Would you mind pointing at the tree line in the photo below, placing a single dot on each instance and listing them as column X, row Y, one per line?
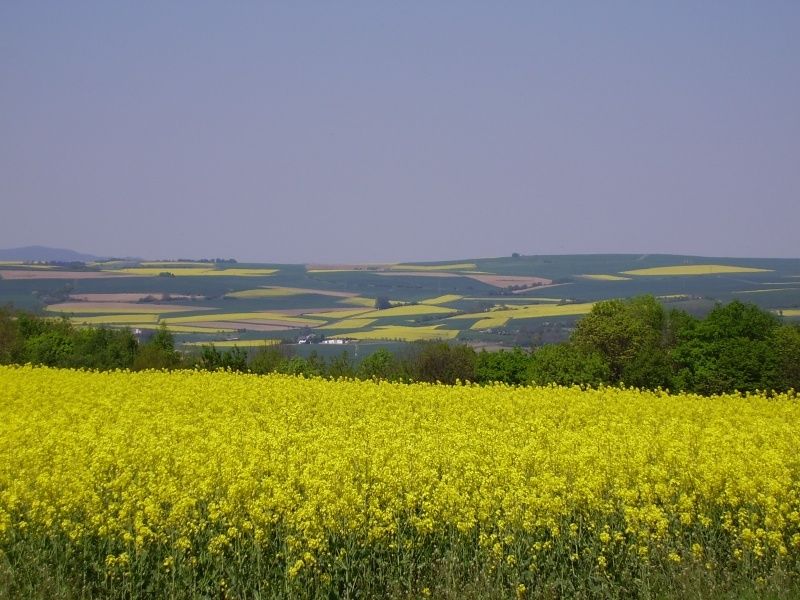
column 633, row 342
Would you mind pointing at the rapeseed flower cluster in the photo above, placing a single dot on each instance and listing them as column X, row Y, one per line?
column 232, row 484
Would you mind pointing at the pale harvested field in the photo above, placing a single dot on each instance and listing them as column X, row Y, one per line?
column 44, row 274
column 120, row 307
column 509, row 280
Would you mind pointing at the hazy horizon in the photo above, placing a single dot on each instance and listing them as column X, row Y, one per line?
column 386, row 133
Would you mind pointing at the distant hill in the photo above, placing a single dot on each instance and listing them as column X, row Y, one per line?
column 43, row 254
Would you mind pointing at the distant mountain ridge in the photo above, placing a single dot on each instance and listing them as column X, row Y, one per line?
column 46, row 254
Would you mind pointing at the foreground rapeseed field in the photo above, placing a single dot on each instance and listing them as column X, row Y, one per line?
column 223, row 485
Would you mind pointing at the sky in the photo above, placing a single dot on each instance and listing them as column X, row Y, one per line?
column 392, row 131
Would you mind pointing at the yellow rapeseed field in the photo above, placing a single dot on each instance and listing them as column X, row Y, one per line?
column 235, row 343
column 409, row 310
column 116, row 319
column 695, row 270
column 362, row 301
column 349, row 324
column 243, row 316
column 442, row 299
column 225, row 485
column 339, row 314
column 490, row 322
column 531, row 311
column 182, row 328
column 174, row 263
column 605, row 277
column 450, row 267
column 406, row 333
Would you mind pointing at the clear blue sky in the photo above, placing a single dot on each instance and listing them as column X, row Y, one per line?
column 376, row 131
